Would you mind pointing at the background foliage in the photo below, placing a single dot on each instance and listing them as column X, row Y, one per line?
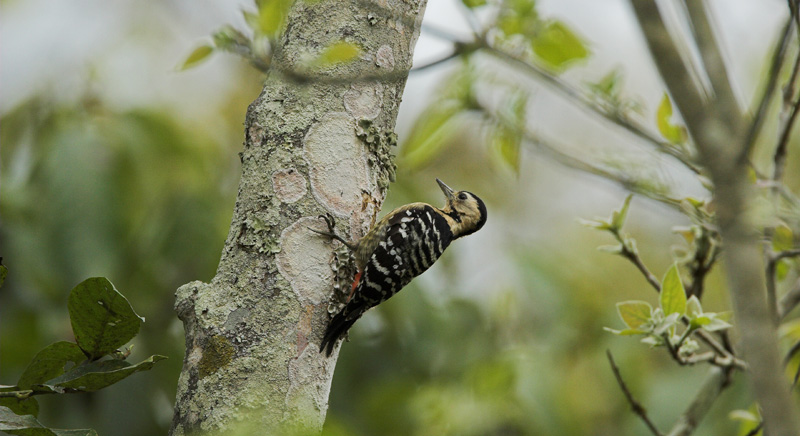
column 504, row 336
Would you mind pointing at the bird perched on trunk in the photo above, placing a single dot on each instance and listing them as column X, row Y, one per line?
column 401, row 246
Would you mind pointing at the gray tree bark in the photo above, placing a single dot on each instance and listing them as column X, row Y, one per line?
column 312, row 146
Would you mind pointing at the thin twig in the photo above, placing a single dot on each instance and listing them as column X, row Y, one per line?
column 633, row 256
column 772, row 263
column 638, row 409
column 779, row 158
column 470, row 18
column 702, row 267
column 792, row 351
column 713, row 62
column 686, row 424
column 435, row 62
column 583, row 102
column 795, row 252
column 440, row 33
column 776, row 65
column 756, row 429
column 545, row 148
column 789, row 301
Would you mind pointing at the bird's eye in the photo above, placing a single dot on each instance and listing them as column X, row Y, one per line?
column 462, row 196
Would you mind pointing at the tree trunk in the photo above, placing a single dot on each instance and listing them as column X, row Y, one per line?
column 311, row 147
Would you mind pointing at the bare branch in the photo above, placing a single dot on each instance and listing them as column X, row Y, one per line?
column 713, row 61
column 435, row 62
column 545, row 148
column 788, row 118
column 719, row 144
column 772, row 263
column 716, row 381
column 789, row 301
column 583, row 102
column 633, row 256
column 679, row 80
column 638, row 409
column 776, row 65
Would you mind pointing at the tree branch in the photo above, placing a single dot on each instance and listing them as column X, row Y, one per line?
column 715, row 382
column 776, row 65
column 545, row 148
column 720, row 144
column 638, row 409
column 788, row 118
column 789, row 301
column 581, row 101
column 713, row 61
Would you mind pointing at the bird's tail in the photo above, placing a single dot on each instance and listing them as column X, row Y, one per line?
column 337, row 328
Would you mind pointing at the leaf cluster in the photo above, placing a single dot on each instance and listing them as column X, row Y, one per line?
column 661, row 326
column 256, row 44
column 102, row 321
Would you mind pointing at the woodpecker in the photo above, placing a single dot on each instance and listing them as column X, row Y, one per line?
column 401, row 246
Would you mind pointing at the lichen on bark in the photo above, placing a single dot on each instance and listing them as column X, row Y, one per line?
column 252, row 364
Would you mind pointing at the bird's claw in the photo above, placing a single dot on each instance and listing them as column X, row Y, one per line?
column 330, row 221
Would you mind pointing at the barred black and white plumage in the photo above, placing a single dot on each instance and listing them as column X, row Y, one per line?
column 401, row 246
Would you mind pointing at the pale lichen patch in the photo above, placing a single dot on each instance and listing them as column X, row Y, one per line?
column 384, row 58
column 307, row 398
column 338, row 168
column 255, row 133
column 364, row 100
column 289, row 185
column 304, row 260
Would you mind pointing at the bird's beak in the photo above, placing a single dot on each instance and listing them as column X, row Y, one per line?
column 448, row 192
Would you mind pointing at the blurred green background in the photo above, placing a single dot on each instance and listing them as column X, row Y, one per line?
column 115, row 164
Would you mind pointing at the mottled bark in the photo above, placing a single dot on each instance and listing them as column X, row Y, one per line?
column 311, row 147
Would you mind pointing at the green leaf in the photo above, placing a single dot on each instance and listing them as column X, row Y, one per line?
column 608, row 86
column 716, row 324
column 518, row 17
column 693, row 307
column 75, row 432
column 198, row 55
column 3, row 274
column 671, row 132
column 20, row 406
column 597, row 223
column 507, row 137
column 625, row 332
column 610, row 249
column 782, row 239
column 228, row 38
column 92, row 376
column 700, row 321
column 634, row 313
column 618, row 217
column 668, row 323
column 673, row 296
column 272, row 16
column 507, row 142
column 557, row 45
column 472, row 4
column 337, row 53
column 50, row 363
column 28, row 425
column 12, row 423
column 431, row 133
column 101, row 317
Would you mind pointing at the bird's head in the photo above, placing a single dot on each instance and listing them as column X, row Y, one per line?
column 465, row 208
